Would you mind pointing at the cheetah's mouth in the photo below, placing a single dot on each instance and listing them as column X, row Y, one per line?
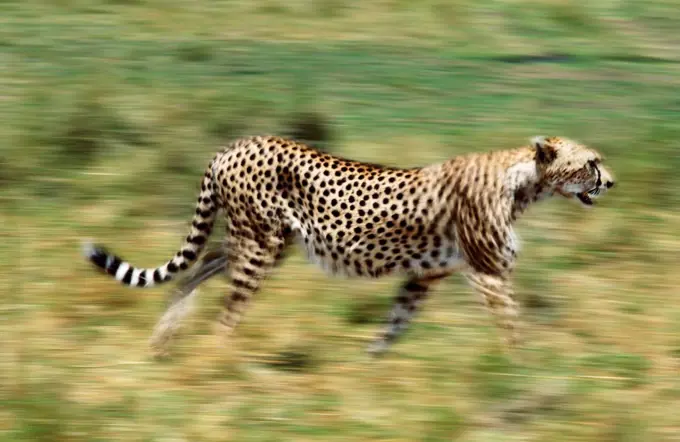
column 584, row 198
column 587, row 197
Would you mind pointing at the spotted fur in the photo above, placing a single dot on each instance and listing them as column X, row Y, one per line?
column 366, row 220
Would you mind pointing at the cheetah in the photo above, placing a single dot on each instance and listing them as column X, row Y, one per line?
column 366, row 220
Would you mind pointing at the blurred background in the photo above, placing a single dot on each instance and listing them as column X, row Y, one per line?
column 112, row 108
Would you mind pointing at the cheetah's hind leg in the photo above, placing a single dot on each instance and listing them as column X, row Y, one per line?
column 251, row 261
column 182, row 299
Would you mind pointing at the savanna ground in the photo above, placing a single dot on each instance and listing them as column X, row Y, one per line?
column 111, row 110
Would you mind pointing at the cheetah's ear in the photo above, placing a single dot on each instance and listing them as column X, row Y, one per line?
column 545, row 151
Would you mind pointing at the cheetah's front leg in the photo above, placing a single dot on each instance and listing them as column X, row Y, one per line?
column 498, row 296
column 410, row 298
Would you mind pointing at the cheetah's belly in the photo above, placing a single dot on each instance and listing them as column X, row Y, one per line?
column 376, row 256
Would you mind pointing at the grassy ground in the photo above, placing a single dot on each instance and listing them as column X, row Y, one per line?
column 111, row 109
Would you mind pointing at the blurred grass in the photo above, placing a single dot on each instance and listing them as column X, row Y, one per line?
column 112, row 108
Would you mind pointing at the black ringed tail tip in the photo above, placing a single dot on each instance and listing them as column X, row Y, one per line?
column 131, row 276
column 111, row 264
column 95, row 254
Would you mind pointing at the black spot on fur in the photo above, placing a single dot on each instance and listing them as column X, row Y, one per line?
column 189, row 254
column 238, row 297
column 198, row 240
column 201, row 226
column 413, row 286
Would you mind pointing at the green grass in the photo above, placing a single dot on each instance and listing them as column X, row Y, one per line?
column 112, row 108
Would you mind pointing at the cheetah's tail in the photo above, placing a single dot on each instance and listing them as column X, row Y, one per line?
column 201, row 227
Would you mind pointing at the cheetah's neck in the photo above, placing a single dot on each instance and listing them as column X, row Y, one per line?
column 523, row 181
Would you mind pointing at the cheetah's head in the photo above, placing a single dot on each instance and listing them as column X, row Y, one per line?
column 572, row 169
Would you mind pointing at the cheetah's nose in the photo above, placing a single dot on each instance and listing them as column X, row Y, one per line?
column 610, row 184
